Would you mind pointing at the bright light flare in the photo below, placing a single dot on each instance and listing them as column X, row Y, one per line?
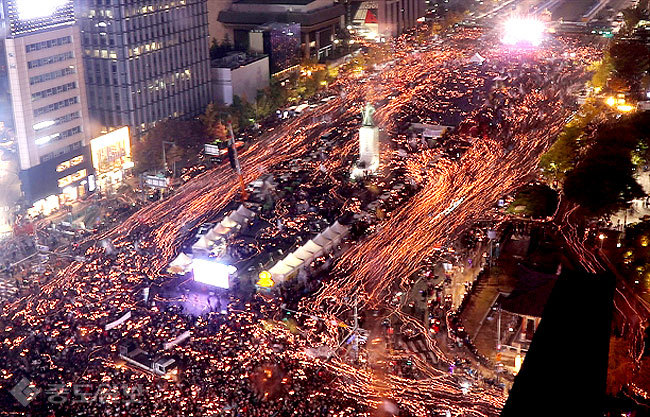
column 523, row 31
column 625, row 108
column 212, row 272
column 34, row 9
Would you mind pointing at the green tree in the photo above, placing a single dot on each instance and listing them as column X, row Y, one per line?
column 174, row 155
column 630, row 61
column 189, row 135
column 632, row 16
column 539, row 200
column 562, row 157
column 263, row 105
column 213, row 122
column 147, row 155
column 242, row 112
column 602, row 72
column 277, row 93
column 603, row 182
column 220, row 49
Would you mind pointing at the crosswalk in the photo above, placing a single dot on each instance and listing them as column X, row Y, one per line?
column 417, row 347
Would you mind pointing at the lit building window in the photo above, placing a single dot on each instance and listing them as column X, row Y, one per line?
column 70, row 163
column 69, row 179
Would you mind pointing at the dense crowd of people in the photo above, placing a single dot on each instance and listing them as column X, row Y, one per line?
column 253, row 361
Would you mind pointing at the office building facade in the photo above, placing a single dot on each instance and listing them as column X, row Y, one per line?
column 146, row 61
column 318, row 20
column 43, row 99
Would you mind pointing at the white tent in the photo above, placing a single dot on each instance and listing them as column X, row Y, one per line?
column 182, row 260
column 249, row 214
column 212, row 235
column 220, row 230
column 228, row 222
column 237, row 218
column 180, row 264
column 280, row 271
column 336, row 232
column 477, row 59
column 293, row 261
column 332, row 235
column 202, row 244
column 309, row 251
column 314, row 248
column 323, row 241
column 304, row 255
column 339, row 228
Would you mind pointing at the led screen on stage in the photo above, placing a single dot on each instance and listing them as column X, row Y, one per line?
column 212, row 272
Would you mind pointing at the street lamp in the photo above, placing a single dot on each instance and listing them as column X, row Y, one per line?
column 602, row 239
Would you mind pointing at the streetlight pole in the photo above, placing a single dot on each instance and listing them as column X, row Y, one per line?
column 498, row 341
column 165, row 142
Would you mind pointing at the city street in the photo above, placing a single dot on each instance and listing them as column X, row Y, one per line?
column 419, row 231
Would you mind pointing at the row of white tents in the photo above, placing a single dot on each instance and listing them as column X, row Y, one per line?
column 323, row 243
column 232, row 222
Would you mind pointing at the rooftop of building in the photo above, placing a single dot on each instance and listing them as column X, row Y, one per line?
column 258, row 12
column 531, row 293
column 287, row 2
column 234, row 60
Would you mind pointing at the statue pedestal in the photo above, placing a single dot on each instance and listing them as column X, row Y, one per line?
column 369, row 146
column 368, row 151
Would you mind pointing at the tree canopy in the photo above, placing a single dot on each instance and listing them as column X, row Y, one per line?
column 630, row 61
column 604, row 180
column 187, row 135
column 539, row 200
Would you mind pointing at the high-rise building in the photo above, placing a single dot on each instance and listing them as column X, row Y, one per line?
column 146, row 61
column 43, row 99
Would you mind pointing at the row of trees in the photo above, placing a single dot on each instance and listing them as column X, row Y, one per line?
column 563, row 156
column 595, row 160
column 189, row 136
column 604, row 181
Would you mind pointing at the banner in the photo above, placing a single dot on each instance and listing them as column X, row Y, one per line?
column 178, row 340
column 117, row 322
column 211, row 150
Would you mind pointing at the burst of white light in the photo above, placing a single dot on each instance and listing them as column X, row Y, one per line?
column 212, row 272
column 523, row 31
column 34, row 9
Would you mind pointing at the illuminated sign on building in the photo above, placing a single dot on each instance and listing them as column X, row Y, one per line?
column 34, row 9
column 111, row 151
column 156, row 182
column 28, row 16
column 69, row 163
column 69, row 179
